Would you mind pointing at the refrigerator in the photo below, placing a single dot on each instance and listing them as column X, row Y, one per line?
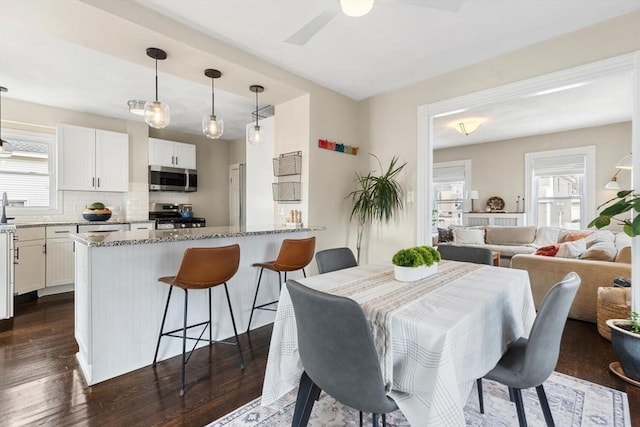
column 237, row 198
column 6, row 271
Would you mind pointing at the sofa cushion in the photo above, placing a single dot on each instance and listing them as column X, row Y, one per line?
column 622, row 240
column 601, row 251
column 572, row 249
column 468, row 236
column 624, row 255
column 510, row 235
column 546, row 236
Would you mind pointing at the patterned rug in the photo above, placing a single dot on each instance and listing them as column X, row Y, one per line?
column 573, row 402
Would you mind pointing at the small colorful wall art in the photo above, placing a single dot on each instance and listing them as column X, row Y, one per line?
column 334, row 146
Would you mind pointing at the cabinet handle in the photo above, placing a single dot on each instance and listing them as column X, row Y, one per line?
column 98, row 182
column 44, row 248
column 17, row 256
column 60, row 232
column 176, row 160
column 172, row 160
column 93, row 182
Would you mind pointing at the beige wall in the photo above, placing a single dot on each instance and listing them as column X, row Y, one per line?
column 392, row 123
column 497, row 168
column 237, row 151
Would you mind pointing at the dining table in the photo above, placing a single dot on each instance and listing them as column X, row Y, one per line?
column 434, row 337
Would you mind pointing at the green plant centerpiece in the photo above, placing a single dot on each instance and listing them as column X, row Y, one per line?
column 625, row 333
column 412, row 264
column 377, row 198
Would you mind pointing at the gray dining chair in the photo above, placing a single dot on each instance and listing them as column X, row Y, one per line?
column 335, row 259
column 466, row 254
column 528, row 362
column 338, row 355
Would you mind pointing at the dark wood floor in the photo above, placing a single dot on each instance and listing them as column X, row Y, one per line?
column 41, row 383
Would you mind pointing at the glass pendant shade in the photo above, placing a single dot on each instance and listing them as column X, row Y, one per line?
column 255, row 136
column 212, row 127
column 156, row 114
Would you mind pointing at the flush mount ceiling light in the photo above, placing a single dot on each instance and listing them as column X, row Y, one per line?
column 355, row 8
column 467, row 127
column 5, row 148
column 156, row 114
column 212, row 127
column 255, row 134
column 136, row 106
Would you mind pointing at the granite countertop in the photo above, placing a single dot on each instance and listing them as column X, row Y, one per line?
column 7, row 228
column 140, row 237
column 19, row 224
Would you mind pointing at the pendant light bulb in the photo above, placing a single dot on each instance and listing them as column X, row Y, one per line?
column 5, row 148
column 212, row 127
column 255, row 134
column 156, row 114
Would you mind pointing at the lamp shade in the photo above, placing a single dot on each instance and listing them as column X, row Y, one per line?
column 474, row 195
column 136, row 106
column 613, row 184
column 625, row 162
column 212, row 127
column 468, row 126
column 255, row 136
column 156, row 114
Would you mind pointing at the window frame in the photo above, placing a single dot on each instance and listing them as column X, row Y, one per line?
column 466, row 164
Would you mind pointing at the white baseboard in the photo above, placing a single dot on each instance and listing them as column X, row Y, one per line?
column 55, row 290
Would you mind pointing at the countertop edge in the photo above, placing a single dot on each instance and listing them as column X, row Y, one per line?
column 78, row 222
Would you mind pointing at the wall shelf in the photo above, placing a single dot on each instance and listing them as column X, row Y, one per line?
column 288, row 164
column 287, row 168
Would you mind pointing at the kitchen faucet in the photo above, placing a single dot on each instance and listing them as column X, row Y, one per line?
column 4, row 203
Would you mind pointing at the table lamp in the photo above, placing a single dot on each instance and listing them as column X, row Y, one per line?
column 473, row 195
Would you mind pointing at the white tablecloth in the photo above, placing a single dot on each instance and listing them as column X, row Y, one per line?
column 440, row 343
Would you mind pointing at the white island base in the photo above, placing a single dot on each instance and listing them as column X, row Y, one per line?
column 119, row 302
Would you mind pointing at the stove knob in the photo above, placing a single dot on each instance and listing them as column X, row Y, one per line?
column 183, row 225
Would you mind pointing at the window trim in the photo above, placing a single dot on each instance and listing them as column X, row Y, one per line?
column 466, row 207
column 589, row 188
column 55, row 196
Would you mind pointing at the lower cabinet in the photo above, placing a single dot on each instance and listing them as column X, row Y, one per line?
column 60, row 255
column 29, row 259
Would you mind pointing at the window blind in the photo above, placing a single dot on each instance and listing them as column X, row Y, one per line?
column 561, row 165
column 443, row 174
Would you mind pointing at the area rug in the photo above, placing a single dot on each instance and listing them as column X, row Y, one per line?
column 573, row 402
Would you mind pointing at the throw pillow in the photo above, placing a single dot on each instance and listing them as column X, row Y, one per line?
column 550, row 250
column 572, row 237
column 468, row 236
column 572, row 249
column 445, row 235
column 601, row 251
column 513, row 236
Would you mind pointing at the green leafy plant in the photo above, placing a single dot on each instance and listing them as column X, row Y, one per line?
column 416, row 256
column 377, row 198
column 635, row 322
column 623, row 202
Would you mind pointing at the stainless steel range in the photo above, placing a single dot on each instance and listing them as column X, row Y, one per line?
column 169, row 216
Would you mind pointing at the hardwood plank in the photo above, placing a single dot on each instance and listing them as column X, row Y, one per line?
column 41, row 383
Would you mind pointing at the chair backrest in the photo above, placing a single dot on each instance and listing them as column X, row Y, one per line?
column 335, row 259
column 207, row 267
column 337, row 350
column 295, row 254
column 543, row 347
column 466, row 254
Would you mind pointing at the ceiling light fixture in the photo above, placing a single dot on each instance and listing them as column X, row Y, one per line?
column 356, row 8
column 5, row 148
column 467, row 127
column 136, row 106
column 156, row 114
column 255, row 134
column 211, row 126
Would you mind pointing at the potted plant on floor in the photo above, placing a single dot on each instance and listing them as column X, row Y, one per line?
column 377, row 198
column 412, row 264
column 625, row 333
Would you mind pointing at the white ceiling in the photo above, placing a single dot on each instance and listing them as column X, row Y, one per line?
column 398, row 43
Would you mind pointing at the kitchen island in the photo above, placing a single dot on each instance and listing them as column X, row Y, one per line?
column 119, row 301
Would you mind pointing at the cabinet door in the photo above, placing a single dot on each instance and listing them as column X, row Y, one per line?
column 30, row 266
column 185, row 155
column 60, row 262
column 76, row 158
column 112, row 161
column 161, row 153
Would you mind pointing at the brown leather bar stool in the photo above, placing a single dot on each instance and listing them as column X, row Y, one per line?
column 295, row 254
column 201, row 268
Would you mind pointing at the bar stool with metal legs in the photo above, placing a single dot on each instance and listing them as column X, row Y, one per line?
column 201, row 268
column 295, row 254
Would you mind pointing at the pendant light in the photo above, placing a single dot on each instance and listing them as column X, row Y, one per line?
column 255, row 134
column 156, row 114
column 212, row 127
column 5, row 147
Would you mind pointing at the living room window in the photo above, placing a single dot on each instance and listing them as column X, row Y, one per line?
column 561, row 192
column 450, row 183
column 28, row 175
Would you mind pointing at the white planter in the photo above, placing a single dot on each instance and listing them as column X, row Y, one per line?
column 412, row 274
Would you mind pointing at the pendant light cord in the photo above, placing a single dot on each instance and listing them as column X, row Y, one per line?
column 212, row 98
column 156, row 79
column 256, row 108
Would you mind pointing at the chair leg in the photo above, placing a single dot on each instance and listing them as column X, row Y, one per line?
column 384, row 420
column 544, row 404
column 360, row 418
column 304, row 274
column 255, row 298
column 233, row 322
column 308, row 393
column 480, row 399
column 210, row 322
column 184, row 340
column 375, row 422
column 164, row 317
column 517, row 395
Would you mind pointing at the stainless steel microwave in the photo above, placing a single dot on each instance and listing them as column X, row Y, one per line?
column 162, row 178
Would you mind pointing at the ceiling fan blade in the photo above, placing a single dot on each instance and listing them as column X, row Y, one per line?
column 306, row 33
column 450, row 5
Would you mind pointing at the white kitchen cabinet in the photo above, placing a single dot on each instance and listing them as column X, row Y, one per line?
column 143, row 226
column 172, row 154
column 30, row 264
column 59, row 255
column 92, row 159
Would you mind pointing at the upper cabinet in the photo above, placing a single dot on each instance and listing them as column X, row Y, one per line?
column 92, row 159
column 172, row 154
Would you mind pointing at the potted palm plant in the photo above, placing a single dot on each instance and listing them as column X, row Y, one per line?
column 377, row 198
column 625, row 333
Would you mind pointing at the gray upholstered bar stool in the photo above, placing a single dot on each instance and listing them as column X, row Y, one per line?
column 295, row 254
column 201, row 268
